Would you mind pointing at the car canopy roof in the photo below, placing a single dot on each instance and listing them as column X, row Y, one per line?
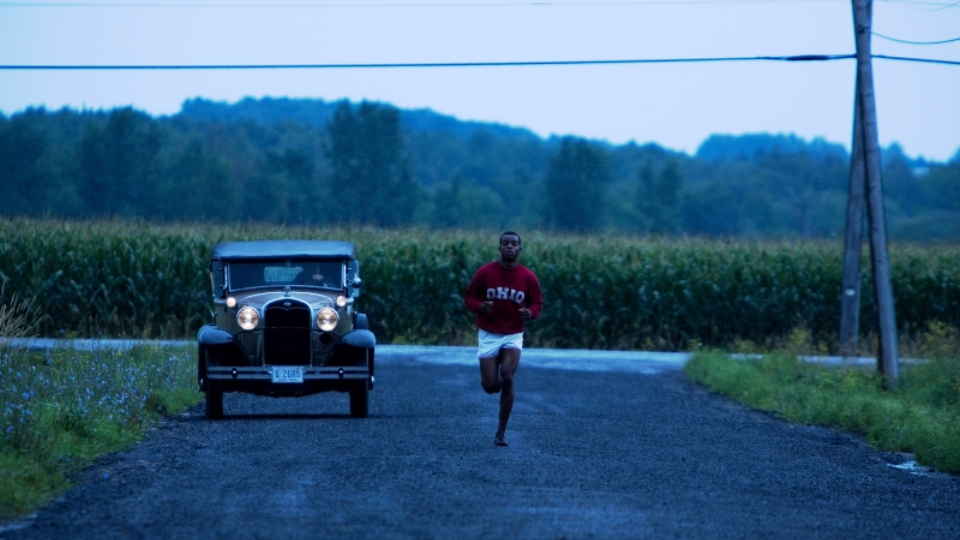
column 284, row 249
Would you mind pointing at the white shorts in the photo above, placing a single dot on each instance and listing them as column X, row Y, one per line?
column 491, row 343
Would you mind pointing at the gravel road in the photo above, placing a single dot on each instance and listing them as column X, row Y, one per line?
column 599, row 448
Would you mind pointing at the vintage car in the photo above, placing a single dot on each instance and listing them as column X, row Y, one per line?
column 285, row 323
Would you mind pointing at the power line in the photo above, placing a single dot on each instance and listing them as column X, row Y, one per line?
column 923, row 60
column 142, row 67
column 386, row 4
column 799, row 58
column 941, row 42
column 939, row 5
column 935, row 6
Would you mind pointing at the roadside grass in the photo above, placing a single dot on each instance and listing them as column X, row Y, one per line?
column 63, row 408
column 921, row 416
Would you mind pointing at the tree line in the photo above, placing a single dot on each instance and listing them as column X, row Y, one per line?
column 316, row 163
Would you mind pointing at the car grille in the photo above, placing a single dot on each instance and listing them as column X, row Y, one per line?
column 286, row 334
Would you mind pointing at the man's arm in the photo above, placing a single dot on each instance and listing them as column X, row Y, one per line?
column 470, row 297
column 534, row 299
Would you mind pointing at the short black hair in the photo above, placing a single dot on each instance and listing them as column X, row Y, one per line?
column 511, row 233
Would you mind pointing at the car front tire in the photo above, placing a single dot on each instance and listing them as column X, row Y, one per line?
column 214, row 406
column 360, row 400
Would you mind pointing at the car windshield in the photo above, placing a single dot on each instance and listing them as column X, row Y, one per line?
column 250, row 275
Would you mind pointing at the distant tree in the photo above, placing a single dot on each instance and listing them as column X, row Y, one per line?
column 465, row 204
column 803, row 181
column 713, row 209
column 285, row 190
column 941, row 185
column 291, row 161
column 25, row 177
column 576, row 179
column 669, row 193
column 657, row 198
column 447, row 201
column 369, row 168
column 196, row 186
column 305, row 204
column 119, row 163
column 520, row 200
column 627, row 160
column 645, row 209
column 35, row 160
column 749, row 145
column 900, row 186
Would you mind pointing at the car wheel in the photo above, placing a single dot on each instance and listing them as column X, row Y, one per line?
column 360, row 400
column 214, row 406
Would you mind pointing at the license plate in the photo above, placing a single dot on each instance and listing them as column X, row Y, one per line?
column 287, row 374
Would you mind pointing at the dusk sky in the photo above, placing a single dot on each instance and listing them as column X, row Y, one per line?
column 676, row 105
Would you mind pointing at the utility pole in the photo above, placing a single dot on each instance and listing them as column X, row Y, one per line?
column 850, row 292
column 888, row 360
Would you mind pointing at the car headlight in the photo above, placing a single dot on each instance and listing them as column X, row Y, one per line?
column 341, row 301
column 248, row 318
column 327, row 319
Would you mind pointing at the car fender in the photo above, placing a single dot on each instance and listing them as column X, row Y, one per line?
column 211, row 335
column 360, row 338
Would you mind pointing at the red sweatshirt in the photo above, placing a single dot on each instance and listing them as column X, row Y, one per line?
column 510, row 290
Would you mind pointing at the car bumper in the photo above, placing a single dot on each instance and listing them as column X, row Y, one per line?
column 265, row 374
column 259, row 380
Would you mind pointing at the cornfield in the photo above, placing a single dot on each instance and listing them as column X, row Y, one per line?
column 123, row 279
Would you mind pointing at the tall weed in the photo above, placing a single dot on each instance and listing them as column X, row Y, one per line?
column 17, row 316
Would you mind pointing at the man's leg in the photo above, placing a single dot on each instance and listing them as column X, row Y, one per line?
column 509, row 362
column 489, row 376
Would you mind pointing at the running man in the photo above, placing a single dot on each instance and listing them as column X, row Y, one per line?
column 504, row 294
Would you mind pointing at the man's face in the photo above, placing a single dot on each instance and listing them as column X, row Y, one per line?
column 509, row 248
